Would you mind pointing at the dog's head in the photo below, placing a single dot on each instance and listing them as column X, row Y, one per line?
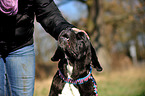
column 75, row 46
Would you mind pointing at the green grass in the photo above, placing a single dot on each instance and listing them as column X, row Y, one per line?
column 126, row 83
column 121, row 88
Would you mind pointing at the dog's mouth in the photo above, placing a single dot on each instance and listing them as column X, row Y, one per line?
column 67, row 41
column 68, row 48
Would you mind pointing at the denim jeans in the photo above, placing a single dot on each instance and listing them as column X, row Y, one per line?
column 17, row 74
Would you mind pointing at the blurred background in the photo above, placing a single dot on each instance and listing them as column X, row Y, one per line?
column 117, row 31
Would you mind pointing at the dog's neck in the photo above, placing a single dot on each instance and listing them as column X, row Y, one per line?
column 75, row 70
column 69, row 68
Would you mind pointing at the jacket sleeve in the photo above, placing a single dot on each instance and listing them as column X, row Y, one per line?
column 49, row 16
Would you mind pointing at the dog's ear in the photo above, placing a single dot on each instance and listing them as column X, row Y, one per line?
column 59, row 54
column 95, row 61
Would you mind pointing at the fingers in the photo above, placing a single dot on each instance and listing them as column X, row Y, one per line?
column 78, row 30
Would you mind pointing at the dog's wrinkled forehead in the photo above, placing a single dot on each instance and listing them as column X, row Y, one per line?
column 73, row 43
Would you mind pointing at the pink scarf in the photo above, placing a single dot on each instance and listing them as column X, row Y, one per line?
column 9, row 7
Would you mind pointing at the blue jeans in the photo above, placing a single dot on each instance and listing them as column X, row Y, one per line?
column 17, row 74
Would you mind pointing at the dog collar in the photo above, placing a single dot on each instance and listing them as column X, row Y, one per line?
column 80, row 80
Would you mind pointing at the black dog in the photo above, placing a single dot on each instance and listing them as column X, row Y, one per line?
column 75, row 54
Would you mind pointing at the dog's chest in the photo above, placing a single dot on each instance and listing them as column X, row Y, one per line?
column 69, row 89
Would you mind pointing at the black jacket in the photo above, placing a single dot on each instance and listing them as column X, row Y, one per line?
column 17, row 31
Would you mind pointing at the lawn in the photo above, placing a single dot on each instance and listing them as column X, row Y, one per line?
column 130, row 82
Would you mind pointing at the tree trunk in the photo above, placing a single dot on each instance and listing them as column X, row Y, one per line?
column 95, row 30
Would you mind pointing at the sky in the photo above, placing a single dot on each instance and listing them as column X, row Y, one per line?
column 73, row 10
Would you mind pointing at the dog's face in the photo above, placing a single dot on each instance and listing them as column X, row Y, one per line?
column 76, row 47
column 74, row 44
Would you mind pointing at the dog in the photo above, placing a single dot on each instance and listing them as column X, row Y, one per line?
column 76, row 55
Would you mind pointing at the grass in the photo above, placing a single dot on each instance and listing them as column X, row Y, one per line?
column 129, row 82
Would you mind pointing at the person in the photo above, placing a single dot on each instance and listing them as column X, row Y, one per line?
column 17, row 57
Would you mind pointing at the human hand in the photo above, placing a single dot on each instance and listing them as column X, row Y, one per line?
column 78, row 30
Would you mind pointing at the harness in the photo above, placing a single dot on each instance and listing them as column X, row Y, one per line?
column 80, row 80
